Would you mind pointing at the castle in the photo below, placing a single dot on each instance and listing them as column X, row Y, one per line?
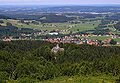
column 57, row 49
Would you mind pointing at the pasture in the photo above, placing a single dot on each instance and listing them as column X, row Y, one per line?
column 64, row 28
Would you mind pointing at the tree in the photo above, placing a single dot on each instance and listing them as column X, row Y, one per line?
column 118, row 80
column 78, row 30
column 1, row 21
column 71, row 32
column 9, row 24
column 113, row 42
column 21, row 21
column 4, row 76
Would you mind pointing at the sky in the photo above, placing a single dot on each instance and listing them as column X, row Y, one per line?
column 60, row 2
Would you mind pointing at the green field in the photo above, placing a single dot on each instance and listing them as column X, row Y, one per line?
column 57, row 26
column 85, row 26
column 64, row 28
column 99, row 37
column 102, row 38
column 117, row 39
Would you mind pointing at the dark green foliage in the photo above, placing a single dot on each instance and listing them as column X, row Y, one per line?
column 113, row 42
column 31, row 61
column 43, row 18
column 1, row 21
column 117, row 26
column 4, row 76
column 40, row 69
column 8, row 24
column 118, row 80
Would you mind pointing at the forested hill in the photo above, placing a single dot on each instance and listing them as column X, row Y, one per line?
column 59, row 9
column 25, row 61
column 74, row 9
column 4, row 17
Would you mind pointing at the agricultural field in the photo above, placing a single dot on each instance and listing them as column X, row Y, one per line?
column 102, row 38
column 99, row 37
column 85, row 26
column 65, row 28
column 117, row 39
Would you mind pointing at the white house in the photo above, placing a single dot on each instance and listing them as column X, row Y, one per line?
column 53, row 33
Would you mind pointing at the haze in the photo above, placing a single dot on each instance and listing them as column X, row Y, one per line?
column 54, row 2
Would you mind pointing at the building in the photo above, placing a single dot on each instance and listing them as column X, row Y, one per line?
column 53, row 33
column 7, row 38
column 57, row 49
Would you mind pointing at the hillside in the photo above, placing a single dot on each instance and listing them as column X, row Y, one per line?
column 82, row 79
column 35, row 61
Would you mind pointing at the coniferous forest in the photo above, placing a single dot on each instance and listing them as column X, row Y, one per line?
column 35, row 61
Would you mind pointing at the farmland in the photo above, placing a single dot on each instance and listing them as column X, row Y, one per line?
column 57, row 26
column 66, row 28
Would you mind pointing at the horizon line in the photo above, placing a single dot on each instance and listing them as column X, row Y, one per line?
column 20, row 4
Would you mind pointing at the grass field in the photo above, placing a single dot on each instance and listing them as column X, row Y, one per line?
column 117, row 39
column 99, row 37
column 60, row 26
column 65, row 28
column 103, row 38
column 85, row 26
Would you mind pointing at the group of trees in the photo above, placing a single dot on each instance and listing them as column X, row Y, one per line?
column 117, row 26
column 29, row 22
column 43, row 18
column 33, row 60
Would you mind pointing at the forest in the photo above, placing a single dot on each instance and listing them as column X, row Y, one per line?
column 33, row 61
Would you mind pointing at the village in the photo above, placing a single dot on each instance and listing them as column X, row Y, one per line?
column 73, row 38
column 84, row 39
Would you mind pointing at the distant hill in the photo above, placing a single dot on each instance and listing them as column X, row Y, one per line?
column 82, row 9
column 57, row 9
column 4, row 17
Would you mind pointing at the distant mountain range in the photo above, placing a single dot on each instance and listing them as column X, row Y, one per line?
column 58, row 9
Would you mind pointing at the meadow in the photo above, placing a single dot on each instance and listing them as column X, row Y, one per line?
column 66, row 27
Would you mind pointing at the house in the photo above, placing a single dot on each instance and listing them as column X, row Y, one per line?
column 57, row 49
column 53, row 33
column 7, row 38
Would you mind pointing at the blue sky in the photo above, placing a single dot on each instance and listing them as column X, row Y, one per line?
column 64, row 2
